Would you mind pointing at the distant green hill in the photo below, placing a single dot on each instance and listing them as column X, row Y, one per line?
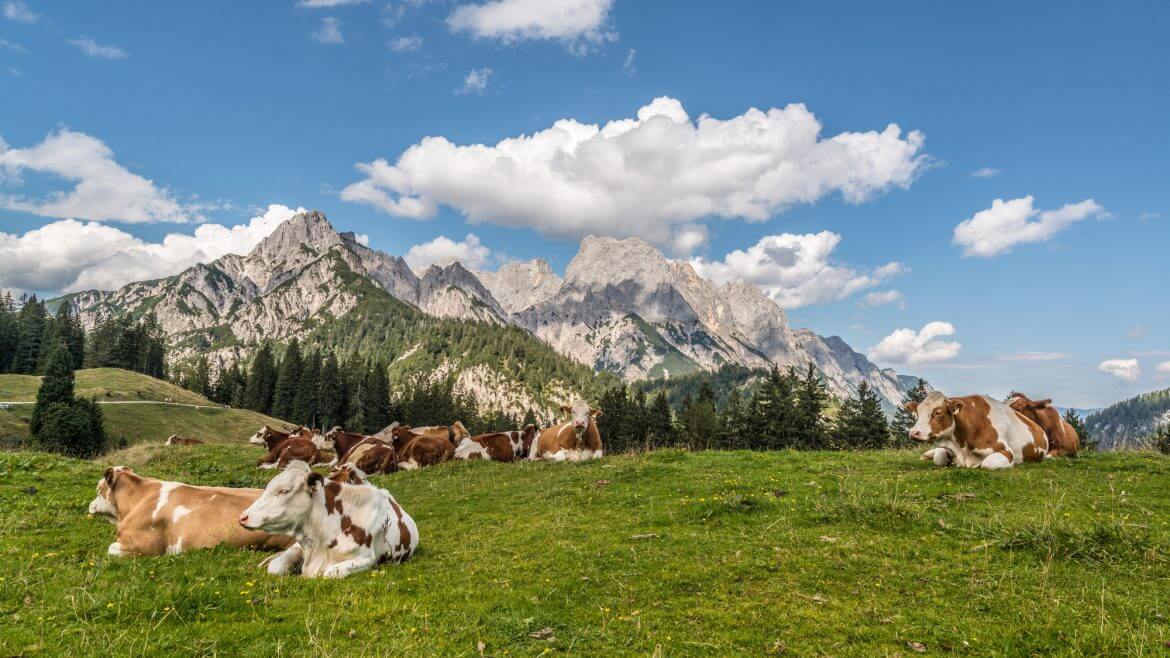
column 135, row 408
column 1127, row 423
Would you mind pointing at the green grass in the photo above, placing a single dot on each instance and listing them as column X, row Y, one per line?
column 103, row 384
column 667, row 553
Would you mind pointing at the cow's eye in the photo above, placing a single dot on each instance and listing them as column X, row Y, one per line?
column 282, row 492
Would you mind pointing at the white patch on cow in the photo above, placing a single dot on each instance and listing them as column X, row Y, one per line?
column 286, row 562
column 115, row 550
column 408, row 465
column 164, row 493
column 99, row 505
column 257, row 438
column 175, row 548
column 269, row 466
column 179, row 513
column 468, row 449
column 564, row 428
column 995, row 461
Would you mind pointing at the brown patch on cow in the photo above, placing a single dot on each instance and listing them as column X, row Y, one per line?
column 972, row 418
column 1034, row 451
column 423, row 449
column 358, row 533
column 561, row 436
column 498, row 445
column 1062, row 438
column 332, row 543
column 403, row 531
column 333, row 497
column 292, row 449
column 346, row 474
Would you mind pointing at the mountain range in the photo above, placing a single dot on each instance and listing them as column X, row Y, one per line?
column 622, row 307
column 1128, row 423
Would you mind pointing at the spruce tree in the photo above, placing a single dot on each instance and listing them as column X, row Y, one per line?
column 288, row 380
column 659, row 421
column 861, row 423
column 529, row 418
column 733, row 430
column 1088, row 442
column 32, row 331
column 375, row 404
column 9, row 332
column 56, row 386
column 331, row 391
column 305, row 405
column 903, row 418
column 811, row 398
column 60, row 422
column 199, row 379
column 261, row 381
column 773, row 411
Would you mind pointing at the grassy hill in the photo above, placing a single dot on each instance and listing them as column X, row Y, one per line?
column 130, row 411
column 667, row 553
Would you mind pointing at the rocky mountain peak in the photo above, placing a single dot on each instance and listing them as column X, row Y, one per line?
column 603, row 261
column 520, row 285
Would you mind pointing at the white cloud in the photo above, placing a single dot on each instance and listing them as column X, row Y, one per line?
column 1163, row 369
column 330, row 31
column 94, row 49
column 628, row 66
column 580, row 24
column 17, row 11
column 475, row 82
column 8, row 45
column 995, row 231
column 643, row 176
column 1036, row 356
column 906, row 346
column 443, row 250
column 1146, row 216
column 986, row 172
column 104, row 190
column 69, row 255
column 326, row 4
column 406, row 44
column 794, row 270
column 884, row 297
column 1124, row 369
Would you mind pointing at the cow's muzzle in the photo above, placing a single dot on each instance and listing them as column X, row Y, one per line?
column 918, row 435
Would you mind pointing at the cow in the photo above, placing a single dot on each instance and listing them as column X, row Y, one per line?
column 339, row 527
column 349, row 474
column 292, row 448
column 455, row 432
column 497, row 446
column 176, row 440
column 269, row 436
column 576, row 439
column 367, row 453
column 975, row 431
column 418, row 450
column 155, row 517
column 1062, row 437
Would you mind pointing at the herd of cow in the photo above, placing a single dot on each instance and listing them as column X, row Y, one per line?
column 333, row 525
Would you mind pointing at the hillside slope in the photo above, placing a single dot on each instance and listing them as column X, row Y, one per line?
column 670, row 553
column 1127, row 423
column 135, row 410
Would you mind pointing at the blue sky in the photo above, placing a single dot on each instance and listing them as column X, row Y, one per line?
column 211, row 112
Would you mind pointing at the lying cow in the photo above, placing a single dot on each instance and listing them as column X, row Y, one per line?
column 576, row 439
column 975, row 431
column 367, row 453
column 417, row 450
column 166, row 518
column 339, row 527
column 290, row 449
column 1062, row 437
column 269, row 436
column 497, row 446
column 176, row 440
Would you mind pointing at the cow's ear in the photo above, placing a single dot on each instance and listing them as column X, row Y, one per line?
column 912, row 407
column 595, row 412
column 108, row 476
column 566, row 409
column 955, row 406
column 1041, row 404
column 313, row 479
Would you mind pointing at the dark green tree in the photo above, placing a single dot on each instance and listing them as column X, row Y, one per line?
column 198, row 380
column 660, row 421
column 1160, row 439
column 60, row 422
column 903, row 418
column 331, row 394
column 306, row 409
column 698, row 422
column 261, row 384
column 529, row 418
column 861, row 423
column 811, row 398
column 288, row 380
column 773, row 411
column 32, row 321
column 1088, row 441
column 9, row 331
column 56, row 386
column 375, row 400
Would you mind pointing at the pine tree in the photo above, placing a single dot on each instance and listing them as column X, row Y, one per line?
column 659, row 421
column 861, row 423
column 199, row 379
column 773, row 411
column 9, row 332
column 288, row 380
column 305, row 405
column 1160, row 439
column 56, row 386
column 733, row 430
column 904, row 419
column 698, row 423
column 331, row 391
column 529, row 418
column 375, row 402
column 261, row 381
column 810, row 426
column 60, row 422
column 32, row 321
column 1088, row 442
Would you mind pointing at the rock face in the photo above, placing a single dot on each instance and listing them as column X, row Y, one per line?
column 622, row 306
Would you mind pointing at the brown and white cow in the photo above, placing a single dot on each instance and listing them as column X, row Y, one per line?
column 576, row 439
column 497, row 446
column 176, row 440
column 290, row 449
column 155, row 517
column 1062, row 437
column 269, row 436
column 418, row 450
column 339, row 528
column 367, row 453
column 975, row 431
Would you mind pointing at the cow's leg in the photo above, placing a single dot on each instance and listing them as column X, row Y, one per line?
column 285, row 562
column 116, row 550
column 346, row 567
column 558, row 456
column 996, row 461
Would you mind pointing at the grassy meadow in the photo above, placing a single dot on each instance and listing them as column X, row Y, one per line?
column 665, row 553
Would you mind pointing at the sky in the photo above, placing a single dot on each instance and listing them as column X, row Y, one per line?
column 975, row 193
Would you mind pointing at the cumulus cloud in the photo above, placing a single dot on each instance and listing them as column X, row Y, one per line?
column 96, row 50
column 580, row 24
column 995, row 231
column 104, row 190
column 643, row 176
column 406, row 44
column 1163, row 369
column 18, row 12
column 1036, row 356
column 986, row 172
column 906, row 346
column 881, row 298
column 795, row 270
column 475, row 82
column 628, row 66
column 330, row 31
column 1126, row 370
column 443, row 250
column 70, row 255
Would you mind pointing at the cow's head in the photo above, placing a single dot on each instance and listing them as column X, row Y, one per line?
column 258, row 437
column 400, row 436
column 527, row 436
column 458, row 432
column 1026, row 405
column 935, row 417
column 580, row 415
column 348, row 474
column 104, row 504
column 284, row 505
